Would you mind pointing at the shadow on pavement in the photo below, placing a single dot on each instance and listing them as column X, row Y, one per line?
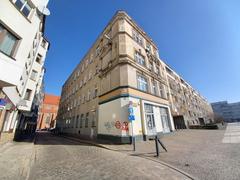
column 47, row 138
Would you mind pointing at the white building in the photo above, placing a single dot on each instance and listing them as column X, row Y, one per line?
column 23, row 50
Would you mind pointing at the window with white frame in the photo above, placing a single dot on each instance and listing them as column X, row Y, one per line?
column 82, row 69
column 154, row 87
column 90, row 74
column 139, row 58
column 150, row 66
column 94, row 119
column 148, row 48
column 88, row 95
column 162, row 92
column 34, row 75
column 86, row 63
column 86, row 120
column 81, row 120
column 97, row 52
column 137, row 37
column 81, row 83
column 142, row 83
column 28, row 94
column 8, row 41
column 91, row 58
column 95, row 93
column 23, row 6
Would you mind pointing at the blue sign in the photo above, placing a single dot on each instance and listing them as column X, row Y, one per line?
column 3, row 102
column 131, row 117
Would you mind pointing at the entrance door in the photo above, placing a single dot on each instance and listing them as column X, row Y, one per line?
column 151, row 128
column 165, row 120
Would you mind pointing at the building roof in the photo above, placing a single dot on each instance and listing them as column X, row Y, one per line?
column 51, row 99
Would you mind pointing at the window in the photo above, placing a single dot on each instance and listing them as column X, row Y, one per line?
column 142, row 83
column 156, row 54
column 44, row 43
column 95, row 93
column 97, row 51
column 137, row 37
column 139, row 58
column 97, row 69
column 151, row 66
column 90, row 74
column 94, row 119
column 81, row 120
column 86, row 120
column 39, row 59
column 154, row 87
column 77, row 122
column 148, row 48
column 28, row 94
column 91, row 58
column 82, row 69
column 88, row 95
column 162, row 92
column 34, row 75
column 86, row 63
column 8, row 41
column 23, row 6
column 81, row 83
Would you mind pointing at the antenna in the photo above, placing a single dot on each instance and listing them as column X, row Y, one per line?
column 43, row 9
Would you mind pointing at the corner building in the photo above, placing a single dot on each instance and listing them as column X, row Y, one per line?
column 121, row 69
column 23, row 49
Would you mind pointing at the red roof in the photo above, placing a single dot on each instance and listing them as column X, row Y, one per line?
column 51, row 99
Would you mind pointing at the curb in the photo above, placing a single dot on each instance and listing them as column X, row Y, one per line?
column 112, row 149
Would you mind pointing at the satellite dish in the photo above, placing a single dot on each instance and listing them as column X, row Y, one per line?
column 44, row 10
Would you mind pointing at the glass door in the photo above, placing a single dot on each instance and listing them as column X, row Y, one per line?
column 150, row 122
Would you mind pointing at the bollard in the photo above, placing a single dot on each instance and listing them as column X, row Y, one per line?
column 157, row 148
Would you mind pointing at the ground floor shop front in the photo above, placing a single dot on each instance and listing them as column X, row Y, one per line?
column 124, row 117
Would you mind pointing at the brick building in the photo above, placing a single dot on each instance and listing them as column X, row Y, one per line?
column 48, row 112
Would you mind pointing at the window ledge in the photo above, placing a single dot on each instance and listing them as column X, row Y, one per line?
column 8, row 55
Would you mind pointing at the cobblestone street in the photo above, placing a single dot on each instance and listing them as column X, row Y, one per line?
column 205, row 154
column 60, row 158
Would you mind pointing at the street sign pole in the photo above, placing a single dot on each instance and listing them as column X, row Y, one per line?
column 133, row 139
column 131, row 118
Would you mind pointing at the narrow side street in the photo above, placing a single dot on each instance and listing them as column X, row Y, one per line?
column 60, row 158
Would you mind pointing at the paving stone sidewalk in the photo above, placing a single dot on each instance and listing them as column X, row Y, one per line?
column 144, row 149
column 15, row 160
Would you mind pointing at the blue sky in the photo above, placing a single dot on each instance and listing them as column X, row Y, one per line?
column 199, row 39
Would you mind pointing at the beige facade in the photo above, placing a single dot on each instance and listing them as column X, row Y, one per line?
column 121, row 71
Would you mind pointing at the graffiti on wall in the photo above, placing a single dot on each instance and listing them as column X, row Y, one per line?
column 116, row 124
column 122, row 125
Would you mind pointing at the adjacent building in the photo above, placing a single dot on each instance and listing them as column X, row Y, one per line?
column 48, row 112
column 230, row 112
column 121, row 88
column 23, row 49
